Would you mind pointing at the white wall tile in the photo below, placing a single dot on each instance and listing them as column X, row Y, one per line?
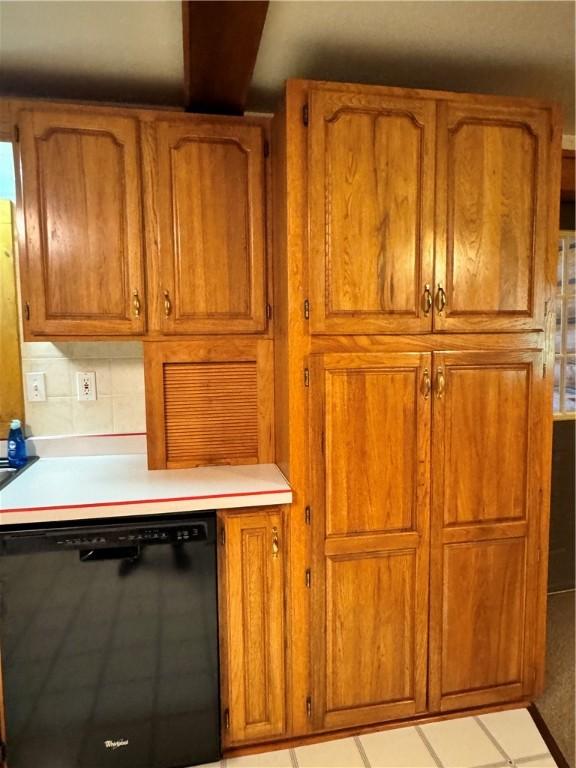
column 461, row 742
column 53, row 417
column 397, row 748
column 342, row 753
column 92, row 416
column 100, row 367
column 129, row 413
column 515, row 731
column 56, row 370
column 127, row 376
column 46, row 349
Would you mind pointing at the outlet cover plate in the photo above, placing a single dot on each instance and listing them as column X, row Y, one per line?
column 86, row 385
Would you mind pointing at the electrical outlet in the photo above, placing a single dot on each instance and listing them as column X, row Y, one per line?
column 86, row 385
column 36, row 387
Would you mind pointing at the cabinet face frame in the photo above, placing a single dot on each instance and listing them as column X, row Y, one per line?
column 41, row 125
column 329, row 105
column 520, row 533
column 370, row 550
column 206, row 136
column 252, row 623
column 501, row 217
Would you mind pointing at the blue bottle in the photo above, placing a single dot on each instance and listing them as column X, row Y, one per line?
column 16, row 445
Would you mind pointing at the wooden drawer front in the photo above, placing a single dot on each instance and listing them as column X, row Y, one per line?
column 492, row 216
column 371, row 188
column 211, row 413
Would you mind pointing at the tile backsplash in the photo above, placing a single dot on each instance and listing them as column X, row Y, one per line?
column 119, row 369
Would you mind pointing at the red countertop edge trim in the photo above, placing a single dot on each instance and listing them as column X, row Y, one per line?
column 142, row 501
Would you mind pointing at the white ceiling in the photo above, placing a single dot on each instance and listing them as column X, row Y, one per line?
column 132, row 51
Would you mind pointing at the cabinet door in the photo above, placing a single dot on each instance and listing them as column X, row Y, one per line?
column 371, row 198
column 491, row 222
column 487, row 513
column 370, row 513
column 82, row 264
column 209, row 188
column 252, row 625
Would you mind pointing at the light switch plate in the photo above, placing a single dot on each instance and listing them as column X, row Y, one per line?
column 86, row 385
column 35, row 387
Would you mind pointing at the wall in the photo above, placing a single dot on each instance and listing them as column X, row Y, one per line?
column 119, row 370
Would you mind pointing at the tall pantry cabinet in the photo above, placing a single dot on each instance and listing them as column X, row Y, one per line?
column 414, row 243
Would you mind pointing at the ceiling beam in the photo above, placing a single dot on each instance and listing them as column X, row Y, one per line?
column 221, row 41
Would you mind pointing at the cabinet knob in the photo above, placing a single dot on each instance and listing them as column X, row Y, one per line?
column 426, row 384
column 136, row 305
column 167, row 304
column 440, row 298
column 427, row 299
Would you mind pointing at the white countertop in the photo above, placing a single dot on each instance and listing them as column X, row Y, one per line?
column 91, row 487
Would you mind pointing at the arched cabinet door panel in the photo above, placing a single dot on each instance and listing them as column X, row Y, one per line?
column 82, row 260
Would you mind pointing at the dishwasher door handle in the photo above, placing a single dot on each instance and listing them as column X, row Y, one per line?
column 112, row 553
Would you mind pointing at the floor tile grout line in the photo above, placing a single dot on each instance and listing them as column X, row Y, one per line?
column 362, row 751
column 429, row 747
column 294, row 758
column 527, row 759
column 494, row 741
column 499, row 764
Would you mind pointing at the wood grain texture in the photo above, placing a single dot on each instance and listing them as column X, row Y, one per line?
column 207, row 229
column 491, row 222
column 568, row 180
column 370, row 564
column 485, row 527
column 83, row 255
column 11, row 394
column 209, row 402
column 221, row 41
column 371, row 193
column 252, row 624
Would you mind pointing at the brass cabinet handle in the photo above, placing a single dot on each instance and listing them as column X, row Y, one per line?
column 440, row 383
column 440, row 298
column 426, row 384
column 275, row 542
column 167, row 304
column 136, row 306
column 427, row 299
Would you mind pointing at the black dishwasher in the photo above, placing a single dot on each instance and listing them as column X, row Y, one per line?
column 109, row 640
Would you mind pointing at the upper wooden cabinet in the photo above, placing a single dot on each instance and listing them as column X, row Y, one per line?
column 207, row 235
column 82, row 257
column 426, row 213
column 492, row 217
column 371, row 203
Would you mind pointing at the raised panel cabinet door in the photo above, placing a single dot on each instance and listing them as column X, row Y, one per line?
column 82, row 265
column 487, row 516
column 210, row 193
column 371, row 207
column 252, row 625
column 371, row 484
column 493, row 192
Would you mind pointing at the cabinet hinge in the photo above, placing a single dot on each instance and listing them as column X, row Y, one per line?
column 537, row 555
column 308, row 578
column 227, row 719
column 27, row 311
column 268, row 311
column 307, row 515
column 306, row 309
column 17, row 133
column 309, row 707
column 266, row 148
column 222, row 536
column 306, row 377
column 305, row 114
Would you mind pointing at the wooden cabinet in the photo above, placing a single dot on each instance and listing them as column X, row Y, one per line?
column 487, row 508
column 493, row 192
column 82, row 258
column 371, row 209
column 207, row 228
column 371, row 475
column 426, row 213
column 251, row 594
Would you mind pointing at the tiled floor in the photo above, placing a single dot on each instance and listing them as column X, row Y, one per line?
column 500, row 740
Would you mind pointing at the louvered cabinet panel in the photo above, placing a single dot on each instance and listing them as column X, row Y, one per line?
column 209, row 403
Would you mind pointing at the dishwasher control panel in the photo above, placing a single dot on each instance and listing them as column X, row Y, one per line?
column 180, row 535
